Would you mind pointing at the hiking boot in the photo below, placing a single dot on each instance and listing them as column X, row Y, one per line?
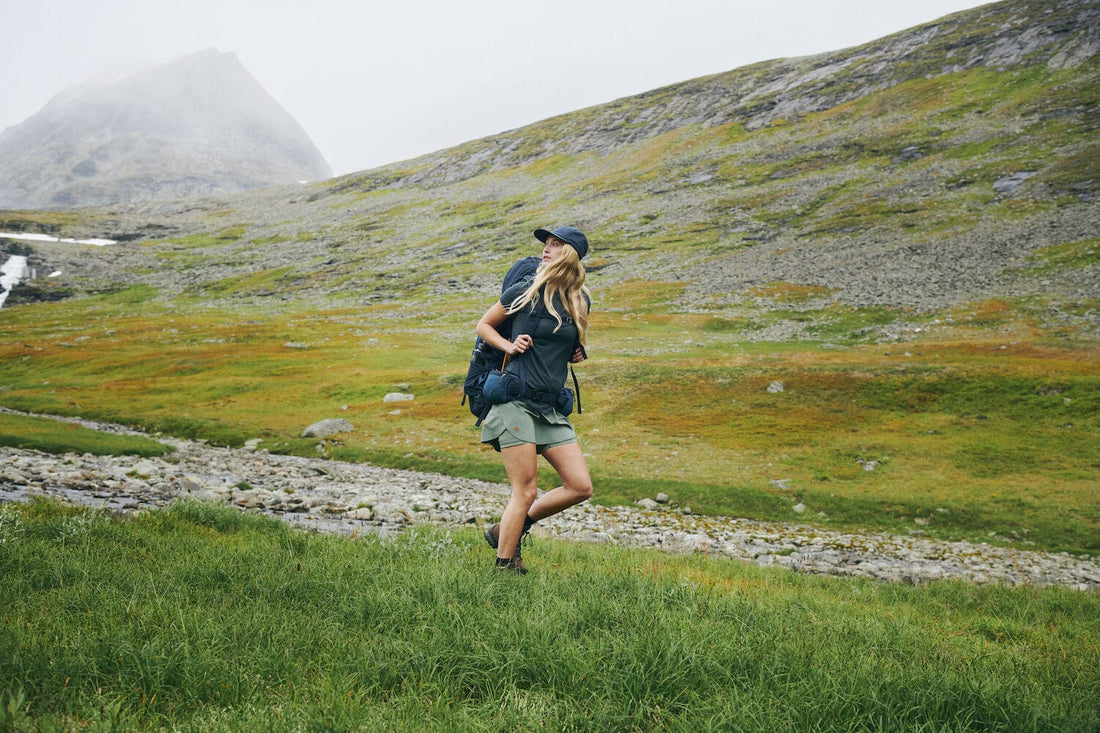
column 511, row 565
column 492, row 536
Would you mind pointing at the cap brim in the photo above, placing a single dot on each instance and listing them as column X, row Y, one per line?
column 542, row 234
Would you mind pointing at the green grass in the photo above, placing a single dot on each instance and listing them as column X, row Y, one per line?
column 200, row 617
column 980, row 429
column 1065, row 256
column 52, row 436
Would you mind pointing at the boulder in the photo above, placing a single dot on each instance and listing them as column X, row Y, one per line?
column 326, row 428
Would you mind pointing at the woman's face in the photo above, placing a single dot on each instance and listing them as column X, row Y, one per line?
column 551, row 249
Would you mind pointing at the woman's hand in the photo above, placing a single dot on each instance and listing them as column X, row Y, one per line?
column 521, row 344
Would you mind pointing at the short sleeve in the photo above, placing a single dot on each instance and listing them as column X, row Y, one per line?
column 510, row 295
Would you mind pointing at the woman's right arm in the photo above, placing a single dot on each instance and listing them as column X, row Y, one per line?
column 487, row 330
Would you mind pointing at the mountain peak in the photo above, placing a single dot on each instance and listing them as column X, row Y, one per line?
column 198, row 124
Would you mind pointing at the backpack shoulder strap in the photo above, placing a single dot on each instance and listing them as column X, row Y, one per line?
column 576, row 389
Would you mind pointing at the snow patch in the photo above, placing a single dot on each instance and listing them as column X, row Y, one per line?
column 47, row 238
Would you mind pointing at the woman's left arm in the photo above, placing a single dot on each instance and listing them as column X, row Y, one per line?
column 487, row 330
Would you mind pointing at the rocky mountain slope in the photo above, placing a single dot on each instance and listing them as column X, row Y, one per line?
column 950, row 163
column 200, row 124
column 998, row 37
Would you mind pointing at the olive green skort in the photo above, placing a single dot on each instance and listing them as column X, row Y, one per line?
column 514, row 423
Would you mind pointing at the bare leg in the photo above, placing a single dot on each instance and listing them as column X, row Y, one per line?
column 576, row 486
column 521, row 464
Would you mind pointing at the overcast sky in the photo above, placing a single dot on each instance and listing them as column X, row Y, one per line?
column 379, row 81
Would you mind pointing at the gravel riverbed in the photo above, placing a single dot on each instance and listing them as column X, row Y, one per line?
column 351, row 498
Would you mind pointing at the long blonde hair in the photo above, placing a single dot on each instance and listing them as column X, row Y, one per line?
column 562, row 277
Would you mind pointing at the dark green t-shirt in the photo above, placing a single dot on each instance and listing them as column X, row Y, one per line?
column 545, row 366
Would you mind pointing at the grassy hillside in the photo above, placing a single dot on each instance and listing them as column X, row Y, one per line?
column 971, row 435
column 911, row 249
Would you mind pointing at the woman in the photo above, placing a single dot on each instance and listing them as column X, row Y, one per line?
column 551, row 315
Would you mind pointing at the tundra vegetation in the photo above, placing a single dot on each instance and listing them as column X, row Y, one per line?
column 914, row 258
column 910, row 249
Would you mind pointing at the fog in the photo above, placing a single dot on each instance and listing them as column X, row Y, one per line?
column 378, row 82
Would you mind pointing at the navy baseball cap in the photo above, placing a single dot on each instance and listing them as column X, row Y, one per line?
column 571, row 235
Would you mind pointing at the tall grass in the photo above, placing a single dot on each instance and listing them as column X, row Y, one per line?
column 199, row 617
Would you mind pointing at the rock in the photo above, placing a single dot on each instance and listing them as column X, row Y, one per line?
column 398, row 397
column 694, row 542
column 145, row 468
column 649, row 505
column 662, row 498
column 189, row 485
column 325, row 428
column 775, row 387
column 13, row 476
column 361, row 513
column 253, row 443
column 912, row 152
column 1009, row 185
column 799, row 508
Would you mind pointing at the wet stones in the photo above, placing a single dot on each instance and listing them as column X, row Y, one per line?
column 350, row 498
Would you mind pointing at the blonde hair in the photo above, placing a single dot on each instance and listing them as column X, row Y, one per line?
column 562, row 277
